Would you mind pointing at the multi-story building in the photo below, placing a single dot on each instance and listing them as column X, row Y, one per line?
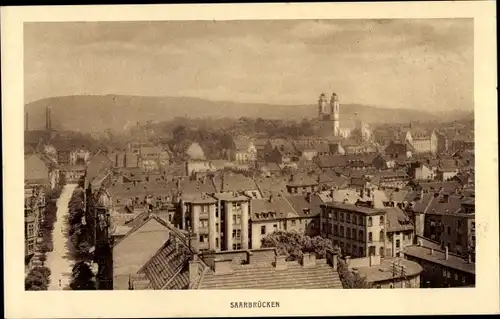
column 358, row 230
column 302, row 184
column 244, row 151
column 442, row 268
column 234, row 212
column 423, row 142
column 446, row 218
column 201, row 217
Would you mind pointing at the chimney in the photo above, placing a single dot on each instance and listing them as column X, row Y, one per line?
column 193, row 242
column 308, row 260
column 420, row 242
column 368, row 192
column 280, row 262
column 332, row 193
column 193, row 269
column 421, row 194
column 432, row 252
column 446, row 253
column 332, row 258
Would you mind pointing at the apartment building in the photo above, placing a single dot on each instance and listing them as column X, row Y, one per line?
column 358, row 230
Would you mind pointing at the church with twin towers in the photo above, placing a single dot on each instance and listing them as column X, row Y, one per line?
column 329, row 115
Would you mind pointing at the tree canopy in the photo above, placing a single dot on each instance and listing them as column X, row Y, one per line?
column 294, row 244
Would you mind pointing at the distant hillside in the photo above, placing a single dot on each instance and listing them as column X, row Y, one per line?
column 117, row 112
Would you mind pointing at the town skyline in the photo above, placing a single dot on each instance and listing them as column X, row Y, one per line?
column 301, row 58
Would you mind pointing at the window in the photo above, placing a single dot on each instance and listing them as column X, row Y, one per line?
column 348, row 217
column 204, row 208
column 341, row 217
column 361, row 236
column 31, row 230
column 381, row 220
column 456, row 276
column 262, row 230
column 335, row 215
column 238, row 233
column 348, row 248
column 354, row 250
column 234, row 233
column 369, row 221
column 294, row 222
column 348, row 232
column 203, row 223
column 234, row 246
column 449, row 230
column 361, row 220
column 398, row 243
column 170, row 217
column 31, row 244
column 361, row 252
column 341, row 231
column 275, row 226
column 459, row 224
column 370, row 236
column 236, row 205
column 238, row 246
column 381, row 252
column 335, row 230
column 381, row 236
column 354, row 234
column 201, row 238
column 217, row 242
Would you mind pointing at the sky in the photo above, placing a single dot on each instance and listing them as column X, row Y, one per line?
column 422, row 64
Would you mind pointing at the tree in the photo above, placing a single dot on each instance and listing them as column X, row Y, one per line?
column 37, row 279
column 349, row 279
column 82, row 277
column 180, row 133
column 293, row 244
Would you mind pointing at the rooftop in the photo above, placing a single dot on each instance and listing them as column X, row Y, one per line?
column 385, row 270
column 266, row 275
column 439, row 257
column 355, row 208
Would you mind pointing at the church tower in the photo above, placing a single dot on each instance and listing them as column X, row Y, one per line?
column 335, row 114
column 322, row 105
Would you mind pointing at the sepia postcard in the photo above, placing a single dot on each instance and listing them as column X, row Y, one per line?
column 250, row 159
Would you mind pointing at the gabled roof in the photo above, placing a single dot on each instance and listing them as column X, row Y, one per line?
column 305, row 205
column 301, row 180
column 331, row 161
column 276, row 208
column 142, row 242
column 167, row 269
column 35, row 169
column 397, row 220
